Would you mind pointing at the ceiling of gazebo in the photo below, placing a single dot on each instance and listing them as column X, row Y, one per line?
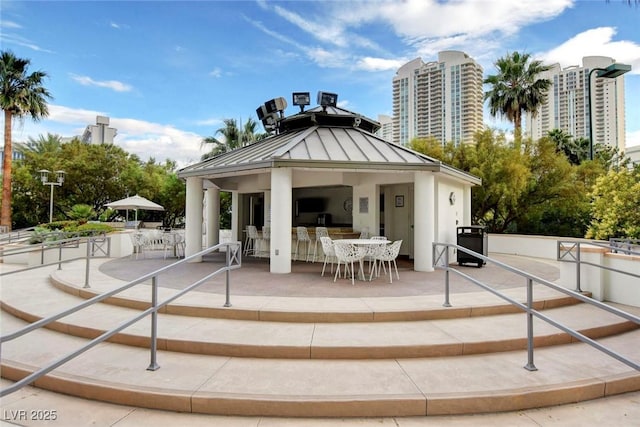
column 320, row 146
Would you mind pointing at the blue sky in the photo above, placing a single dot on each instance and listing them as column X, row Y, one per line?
column 167, row 72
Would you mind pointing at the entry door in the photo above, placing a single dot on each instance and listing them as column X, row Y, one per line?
column 398, row 215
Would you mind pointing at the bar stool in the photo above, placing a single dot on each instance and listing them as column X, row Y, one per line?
column 320, row 232
column 254, row 239
column 302, row 235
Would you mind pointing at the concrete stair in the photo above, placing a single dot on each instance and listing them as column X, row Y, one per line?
column 308, row 357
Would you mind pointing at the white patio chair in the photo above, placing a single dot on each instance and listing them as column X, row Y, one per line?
column 173, row 242
column 372, row 252
column 389, row 254
column 348, row 253
column 320, row 233
column 329, row 252
column 302, row 236
column 254, row 241
column 139, row 243
column 266, row 238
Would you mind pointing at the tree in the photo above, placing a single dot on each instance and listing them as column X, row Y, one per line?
column 232, row 139
column 516, row 88
column 21, row 94
column 234, row 136
column 616, row 197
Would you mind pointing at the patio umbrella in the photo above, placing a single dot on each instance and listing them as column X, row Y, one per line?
column 135, row 202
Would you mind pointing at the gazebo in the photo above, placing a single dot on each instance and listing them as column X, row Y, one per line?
column 331, row 155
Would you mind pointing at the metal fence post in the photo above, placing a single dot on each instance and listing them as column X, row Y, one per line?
column 59, row 256
column 228, row 274
column 578, row 268
column 446, row 278
column 86, row 268
column 153, row 365
column 530, row 365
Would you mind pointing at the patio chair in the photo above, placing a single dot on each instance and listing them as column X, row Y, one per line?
column 302, row 236
column 364, row 233
column 254, row 240
column 372, row 252
column 139, row 243
column 320, row 233
column 329, row 252
column 266, row 238
column 173, row 241
column 348, row 253
column 389, row 254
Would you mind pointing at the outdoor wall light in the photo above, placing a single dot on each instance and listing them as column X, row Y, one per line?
column 301, row 99
column 327, row 99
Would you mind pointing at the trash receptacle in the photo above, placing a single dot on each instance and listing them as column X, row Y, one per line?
column 474, row 238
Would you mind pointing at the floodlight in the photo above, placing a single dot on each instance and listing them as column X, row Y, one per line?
column 276, row 105
column 327, row 99
column 301, row 99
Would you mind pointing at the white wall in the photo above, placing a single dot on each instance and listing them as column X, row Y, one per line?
column 603, row 284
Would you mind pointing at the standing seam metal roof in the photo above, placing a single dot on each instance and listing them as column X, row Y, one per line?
column 317, row 143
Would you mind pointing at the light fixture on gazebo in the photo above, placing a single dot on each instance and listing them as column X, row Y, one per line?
column 327, row 99
column 301, row 99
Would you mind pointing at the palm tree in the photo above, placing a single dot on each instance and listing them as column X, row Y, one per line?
column 516, row 88
column 44, row 144
column 21, row 94
column 234, row 137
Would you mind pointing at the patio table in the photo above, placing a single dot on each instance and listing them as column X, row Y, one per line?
column 363, row 242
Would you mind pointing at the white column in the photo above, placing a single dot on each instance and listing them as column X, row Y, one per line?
column 424, row 218
column 213, row 216
column 280, row 250
column 466, row 206
column 267, row 208
column 193, row 217
column 236, row 235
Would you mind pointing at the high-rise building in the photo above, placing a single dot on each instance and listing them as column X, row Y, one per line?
column 386, row 127
column 568, row 105
column 441, row 99
column 100, row 133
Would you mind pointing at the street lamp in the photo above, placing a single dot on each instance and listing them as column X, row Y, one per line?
column 610, row 72
column 44, row 177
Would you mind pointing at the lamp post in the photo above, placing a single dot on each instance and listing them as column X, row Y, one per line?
column 44, row 177
column 610, row 72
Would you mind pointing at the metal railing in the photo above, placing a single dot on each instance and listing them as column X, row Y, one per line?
column 7, row 237
column 97, row 243
column 441, row 261
column 233, row 260
column 571, row 251
column 626, row 246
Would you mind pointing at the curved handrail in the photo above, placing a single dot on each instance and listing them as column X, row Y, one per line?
column 441, row 261
column 233, row 261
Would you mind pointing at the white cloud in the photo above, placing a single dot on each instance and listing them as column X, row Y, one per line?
column 216, row 72
column 109, row 84
column 114, row 25
column 9, row 24
column 21, row 41
column 379, row 64
column 418, row 19
column 594, row 42
column 143, row 138
column 632, row 138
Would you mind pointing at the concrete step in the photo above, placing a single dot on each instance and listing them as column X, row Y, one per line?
column 328, row 388
column 453, row 333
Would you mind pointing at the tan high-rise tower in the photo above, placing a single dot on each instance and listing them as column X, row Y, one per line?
column 442, row 99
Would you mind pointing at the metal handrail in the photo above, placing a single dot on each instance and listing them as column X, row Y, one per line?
column 565, row 253
column 441, row 261
column 15, row 235
column 233, row 261
column 95, row 244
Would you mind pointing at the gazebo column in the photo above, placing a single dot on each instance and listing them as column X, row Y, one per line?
column 213, row 216
column 193, row 218
column 235, row 217
column 424, row 220
column 466, row 206
column 280, row 250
